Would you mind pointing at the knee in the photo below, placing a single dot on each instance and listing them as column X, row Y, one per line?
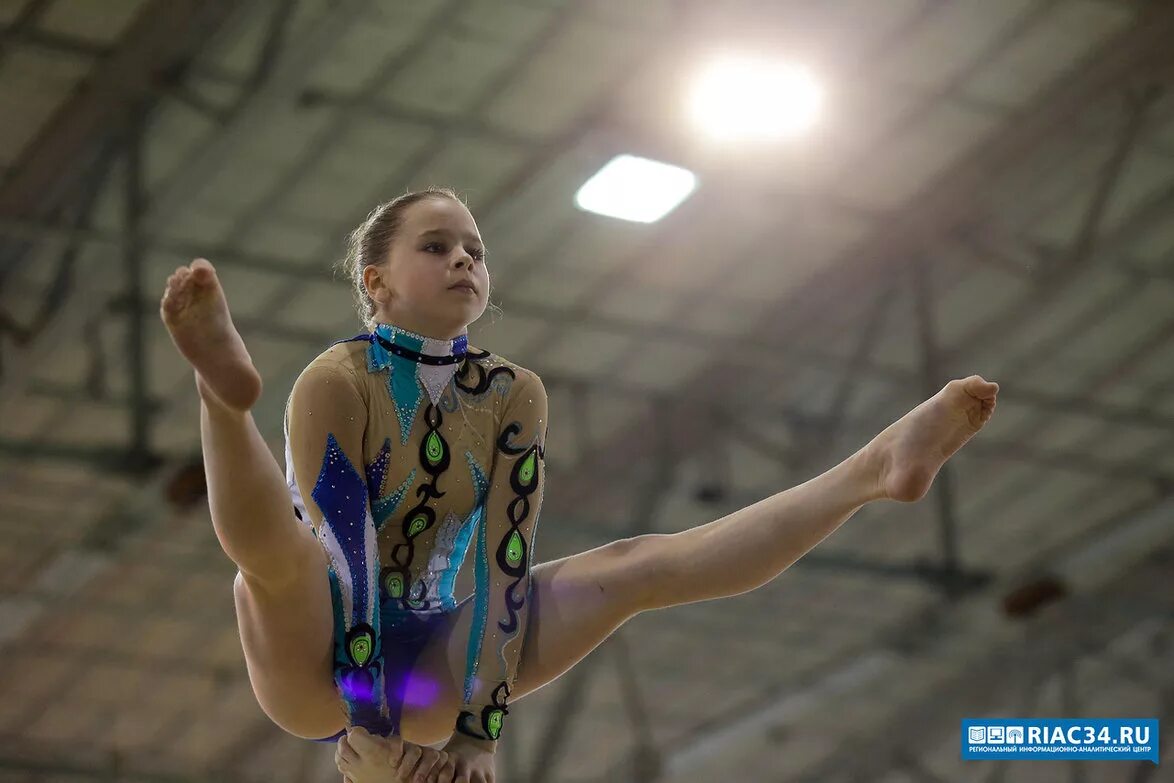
column 246, row 589
column 279, row 578
column 242, row 596
column 240, row 589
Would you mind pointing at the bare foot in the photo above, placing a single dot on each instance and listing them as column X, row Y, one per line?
column 913, row 449
column 196, row 313
column 365, row 758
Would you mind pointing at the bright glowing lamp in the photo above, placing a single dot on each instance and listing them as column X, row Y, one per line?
column 636, row 189
column 745, row 98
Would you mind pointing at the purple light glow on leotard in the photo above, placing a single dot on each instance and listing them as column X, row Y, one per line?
column 418, row 691
column 358, row 687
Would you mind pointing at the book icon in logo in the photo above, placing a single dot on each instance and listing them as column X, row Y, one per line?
column 996, row 735
column 1014, row 735
column 977, row 734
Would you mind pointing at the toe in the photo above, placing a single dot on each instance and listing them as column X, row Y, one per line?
column 980, row 388
column 203, row 271
column 172, row 301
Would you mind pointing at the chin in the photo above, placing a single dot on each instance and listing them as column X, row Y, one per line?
column 473, row 312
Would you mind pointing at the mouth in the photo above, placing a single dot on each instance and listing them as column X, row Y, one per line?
column 463, row 287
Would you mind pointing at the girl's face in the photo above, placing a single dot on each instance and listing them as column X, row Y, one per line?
column 434, row 281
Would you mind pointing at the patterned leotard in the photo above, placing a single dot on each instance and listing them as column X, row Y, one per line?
column 403, row 452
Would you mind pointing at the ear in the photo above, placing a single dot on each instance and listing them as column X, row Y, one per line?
column 376, row 285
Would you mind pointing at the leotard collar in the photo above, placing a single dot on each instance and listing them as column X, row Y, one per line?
column 388, row 340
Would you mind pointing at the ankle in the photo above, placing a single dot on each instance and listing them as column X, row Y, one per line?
column 216, row 406
column 865, row 472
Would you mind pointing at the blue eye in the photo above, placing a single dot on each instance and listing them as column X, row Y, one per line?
column 434, row 247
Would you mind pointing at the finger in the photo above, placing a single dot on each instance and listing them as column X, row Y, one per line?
column 446, row 771
column 393, row 747
column 362, row 740
column 344, row 760
column 346, row 751
column 424, row 767
column 408, row 763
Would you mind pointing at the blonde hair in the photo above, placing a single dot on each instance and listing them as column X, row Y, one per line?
column 370, row 243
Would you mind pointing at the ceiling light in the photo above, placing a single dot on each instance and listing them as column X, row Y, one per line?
column 747, row 98
column 636, row 189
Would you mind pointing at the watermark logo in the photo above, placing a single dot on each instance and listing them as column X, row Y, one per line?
column 1052, row 738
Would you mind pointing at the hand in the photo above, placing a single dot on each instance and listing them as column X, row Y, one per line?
column 364, row 758
column 470, row 761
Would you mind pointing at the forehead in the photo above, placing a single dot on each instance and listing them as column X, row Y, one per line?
column 441, row 213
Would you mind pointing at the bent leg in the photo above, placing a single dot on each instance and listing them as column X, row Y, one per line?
column 282, row 592
column 252, row 511
column 282, row 595
column 288, row 654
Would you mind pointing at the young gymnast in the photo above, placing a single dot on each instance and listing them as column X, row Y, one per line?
column 406, row 447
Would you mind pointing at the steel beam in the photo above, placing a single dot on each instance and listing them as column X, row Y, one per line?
column 139, row 442
column 977, row 688
column 547, row 757
column 931, row 381
column 1140, row 52
column 164, row 35
column 19, row 29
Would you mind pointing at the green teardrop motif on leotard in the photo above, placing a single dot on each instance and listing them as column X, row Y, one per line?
column 361, row 649
column 395, row 585
column 419, row 522
column 493, row 723
column 526, row 473
column 434, row 448
column 513, row 550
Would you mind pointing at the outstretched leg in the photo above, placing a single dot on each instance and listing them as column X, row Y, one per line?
column 282, row 593
column 580, row 600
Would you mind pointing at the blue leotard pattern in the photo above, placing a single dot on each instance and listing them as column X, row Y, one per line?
column 413, row 450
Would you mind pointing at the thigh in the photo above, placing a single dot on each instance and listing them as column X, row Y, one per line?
column 287, row 635
column 575, row 604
